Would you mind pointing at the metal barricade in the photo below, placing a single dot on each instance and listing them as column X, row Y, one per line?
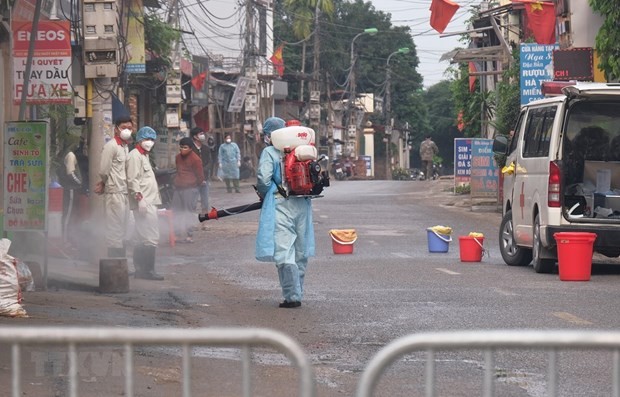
column 245, row 338
column 488, row 341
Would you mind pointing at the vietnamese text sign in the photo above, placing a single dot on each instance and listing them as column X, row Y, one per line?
column 462, row 161
column 484, row 170
column 136, row 54
column 51, row 63
column 25, row 175
column 536, row 66
column 236, row 103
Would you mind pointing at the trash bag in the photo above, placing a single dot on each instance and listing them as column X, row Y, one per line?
column 10, row 293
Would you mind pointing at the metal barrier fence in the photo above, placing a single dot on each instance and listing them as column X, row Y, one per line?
column 18, row 337
column 488, row 341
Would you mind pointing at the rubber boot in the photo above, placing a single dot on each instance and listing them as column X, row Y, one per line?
column 116, row 252
column 149, row 264
column 138, row 261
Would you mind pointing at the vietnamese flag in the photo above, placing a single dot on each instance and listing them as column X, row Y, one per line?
column 442, row 12
column 472, row 79
column 277, row 60
column 199, row 80
column 541, row 20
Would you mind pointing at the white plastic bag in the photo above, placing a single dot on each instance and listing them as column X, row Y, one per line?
column 10, row 294
column 24, row 276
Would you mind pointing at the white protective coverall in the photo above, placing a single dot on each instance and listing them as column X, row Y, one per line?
column 113, row 174
column 141, row 179
column 285, row 231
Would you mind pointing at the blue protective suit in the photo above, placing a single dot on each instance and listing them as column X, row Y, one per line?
column 285, row 231
column 229, row 157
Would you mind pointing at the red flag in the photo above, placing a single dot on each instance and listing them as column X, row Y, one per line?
column 442, row 12
column 460, row 123
column 202, row 118
column 199, row 80
column 540, row 20
column 472, row 79
column 277, row 60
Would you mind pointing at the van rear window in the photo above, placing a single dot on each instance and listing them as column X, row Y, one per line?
column 593, row 129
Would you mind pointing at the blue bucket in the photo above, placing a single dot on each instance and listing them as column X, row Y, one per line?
column 438, row 242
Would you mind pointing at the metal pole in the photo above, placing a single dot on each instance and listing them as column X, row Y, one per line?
column 388, row 123
column 33, row 34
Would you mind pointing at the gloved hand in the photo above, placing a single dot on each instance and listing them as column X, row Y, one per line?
column 142, row 207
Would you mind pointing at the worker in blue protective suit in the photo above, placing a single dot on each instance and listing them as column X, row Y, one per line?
column 285, row 232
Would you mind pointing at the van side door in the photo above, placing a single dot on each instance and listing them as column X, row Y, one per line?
column 532, row 171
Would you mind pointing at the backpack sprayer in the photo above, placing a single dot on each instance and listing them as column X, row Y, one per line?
column 303, row 174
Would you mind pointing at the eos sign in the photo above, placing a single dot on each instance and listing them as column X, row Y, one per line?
column 50, row 69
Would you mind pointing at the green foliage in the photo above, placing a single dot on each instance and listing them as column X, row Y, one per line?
column 508, row 98
column 608, row 37
column 462, row 189
column 466, row 101
column 160, row 37
column 400, row 174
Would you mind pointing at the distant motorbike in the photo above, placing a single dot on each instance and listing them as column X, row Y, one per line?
column 338, row 171
column 165, row 182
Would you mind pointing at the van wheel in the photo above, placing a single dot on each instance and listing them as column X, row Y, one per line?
column 512, row 254
column 541, row 265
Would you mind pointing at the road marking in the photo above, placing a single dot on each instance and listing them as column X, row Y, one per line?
column 503, row 292
column 323, row 216
column 401, row 255
column 441, row 269
column 571, row 318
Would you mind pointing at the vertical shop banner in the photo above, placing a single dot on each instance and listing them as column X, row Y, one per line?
column 536, row 66
column 484, row 170
column 50, row 72
column 25, row 175
column 136, row 54
column 462, row 161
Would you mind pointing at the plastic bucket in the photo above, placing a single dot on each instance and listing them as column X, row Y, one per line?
column 471, row 248
column 342, row 247
column 55, row 198
column 575, row 255
column 438, row 242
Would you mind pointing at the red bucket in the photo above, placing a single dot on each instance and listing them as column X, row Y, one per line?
column 343, row 247
column 575, row 255
column 471, row 248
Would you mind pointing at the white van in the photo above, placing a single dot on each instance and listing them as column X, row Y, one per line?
column 563, row 175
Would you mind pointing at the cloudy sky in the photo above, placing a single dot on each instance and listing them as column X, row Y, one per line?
column 430, row 47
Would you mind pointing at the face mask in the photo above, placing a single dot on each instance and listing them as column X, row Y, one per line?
column 125, row 134
column 147, row 145
column 202, row 137
column 228, row 140
column 267, row 139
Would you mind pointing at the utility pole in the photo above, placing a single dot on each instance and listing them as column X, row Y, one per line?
column 315, row 93
column 249, row 62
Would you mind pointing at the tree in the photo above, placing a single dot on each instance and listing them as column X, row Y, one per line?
column 441, row 113
column 608, row 37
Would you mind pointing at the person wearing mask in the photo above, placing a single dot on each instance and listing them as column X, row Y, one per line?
column 285, row 231
column 189, row 179
column 143, row 200
column 199, row 147
column 113, row 186
column 229, row 158
column 428, row 150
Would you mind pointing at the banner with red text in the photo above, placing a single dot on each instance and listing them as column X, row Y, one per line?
column 50, row 73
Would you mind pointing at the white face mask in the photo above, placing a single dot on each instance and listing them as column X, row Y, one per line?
column 202, row 137
column 147, row 145
column 228, row 141
column 125, row 134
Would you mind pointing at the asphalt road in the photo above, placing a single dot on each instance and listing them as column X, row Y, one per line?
column 391, row 286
